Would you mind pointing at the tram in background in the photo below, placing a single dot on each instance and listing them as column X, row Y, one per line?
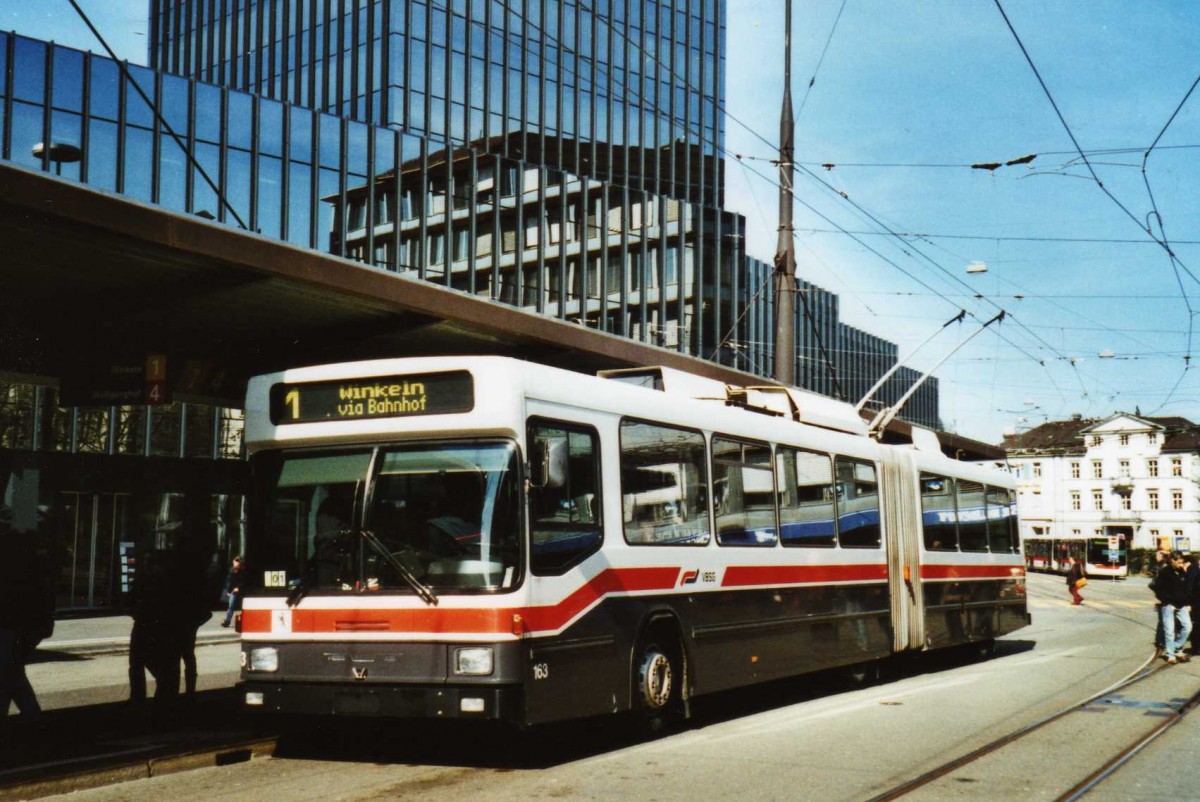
column 1101, row 556
column 488, row 538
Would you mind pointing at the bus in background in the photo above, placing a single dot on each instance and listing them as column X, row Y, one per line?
column 1106, row 556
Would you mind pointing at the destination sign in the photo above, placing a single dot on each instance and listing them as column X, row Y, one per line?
column 374, row 397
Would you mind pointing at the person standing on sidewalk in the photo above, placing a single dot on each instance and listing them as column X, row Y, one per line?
column 150, row 646
column 1160, row 559
column 26, row 616
column 1171, row 588
column 234, row 581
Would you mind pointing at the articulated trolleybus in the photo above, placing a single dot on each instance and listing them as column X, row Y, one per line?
column 487, row 538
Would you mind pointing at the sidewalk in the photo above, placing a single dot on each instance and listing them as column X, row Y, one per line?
column 110, row 634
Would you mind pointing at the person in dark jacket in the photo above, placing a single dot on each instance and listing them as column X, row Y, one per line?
column 234, row 582
column 1074, row 574
column 1160, row 559
column 26, row 616
column 1193, row 578
column 151, row 647
column 1173, row 592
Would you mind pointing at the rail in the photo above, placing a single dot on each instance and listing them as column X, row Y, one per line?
column 1144, row 671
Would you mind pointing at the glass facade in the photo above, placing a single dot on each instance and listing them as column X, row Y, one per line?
column 628, row 91
column 622, row 260
column 653, row 267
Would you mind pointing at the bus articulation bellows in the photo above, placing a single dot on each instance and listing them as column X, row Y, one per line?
column 487, row 538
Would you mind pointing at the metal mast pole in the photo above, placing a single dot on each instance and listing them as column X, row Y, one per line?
column 785, row 252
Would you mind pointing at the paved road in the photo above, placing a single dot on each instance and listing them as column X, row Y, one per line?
column 798, row 740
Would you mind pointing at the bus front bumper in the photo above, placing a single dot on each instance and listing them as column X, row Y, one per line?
column 390, row 701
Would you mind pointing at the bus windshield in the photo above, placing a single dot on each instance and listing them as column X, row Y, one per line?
column 447, row 513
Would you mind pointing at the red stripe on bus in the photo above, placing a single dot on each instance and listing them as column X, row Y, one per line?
column 749, row 575
column 972, row 571
column 478, row 620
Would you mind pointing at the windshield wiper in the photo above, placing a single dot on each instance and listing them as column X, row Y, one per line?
column 422, row 590
column 298, row 591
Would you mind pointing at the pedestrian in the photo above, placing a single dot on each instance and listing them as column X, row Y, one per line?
column 234, row 582
column 1160, row 559
column 26, row 616
column 1193, row 578
column 1075, row 579
column 186, row 612
column 151, row 646
column 1171, row 588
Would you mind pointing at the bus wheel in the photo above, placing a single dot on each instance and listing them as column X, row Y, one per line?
column 659, row 683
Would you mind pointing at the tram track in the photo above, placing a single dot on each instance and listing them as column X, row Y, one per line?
column 1143, row 672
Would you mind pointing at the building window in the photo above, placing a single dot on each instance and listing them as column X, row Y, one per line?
column 1098, row 499
column 1076, row 532
column 1152, row 437
column 1177, row 499
column 1126, row 502
column 1176, row 466
column 1075, row 502
column 1074, row 470
column 1178, row 534
column 1123, row 439
column 1037, row 470
column 1152, row 499
column 1096, row 440
column 1097, row 470
column 1123, row 470
column 1154, row 536
column 1152, row 467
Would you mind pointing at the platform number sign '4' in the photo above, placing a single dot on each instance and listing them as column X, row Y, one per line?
column 156, row 379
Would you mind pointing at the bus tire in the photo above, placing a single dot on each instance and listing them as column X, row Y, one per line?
column 658, row 682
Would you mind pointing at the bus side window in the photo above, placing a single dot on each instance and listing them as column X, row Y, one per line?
column 999, row 520
column 664, row 485
column 939, row 518
column 857, row 504
column 972, row 520
column 564, row 520
column 806, row 498
column 743, row 493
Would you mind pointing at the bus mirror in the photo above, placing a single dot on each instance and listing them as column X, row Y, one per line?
column 548, row 468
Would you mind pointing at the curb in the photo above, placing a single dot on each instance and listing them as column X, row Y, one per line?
column 102, row 646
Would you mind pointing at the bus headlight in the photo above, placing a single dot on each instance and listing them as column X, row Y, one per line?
column 264, row 659
column 475, row 661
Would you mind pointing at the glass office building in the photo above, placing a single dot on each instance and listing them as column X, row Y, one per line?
column 628, row 91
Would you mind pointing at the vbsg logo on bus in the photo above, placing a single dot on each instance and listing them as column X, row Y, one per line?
column 375, row 397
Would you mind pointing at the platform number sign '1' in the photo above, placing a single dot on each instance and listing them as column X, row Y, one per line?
column 373, row 397
column 156, row 379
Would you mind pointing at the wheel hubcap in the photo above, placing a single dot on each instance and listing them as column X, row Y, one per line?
column 656, row 680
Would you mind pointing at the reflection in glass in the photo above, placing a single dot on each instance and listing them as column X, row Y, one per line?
column 68, row 79
column 29, row 64
column 139, row 164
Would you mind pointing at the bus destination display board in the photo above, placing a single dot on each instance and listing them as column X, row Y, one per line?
column 373, row 397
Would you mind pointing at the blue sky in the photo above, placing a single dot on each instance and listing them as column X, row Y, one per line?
column 920, row 91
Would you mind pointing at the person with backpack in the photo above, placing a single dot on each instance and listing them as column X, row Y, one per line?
column 1171, row 588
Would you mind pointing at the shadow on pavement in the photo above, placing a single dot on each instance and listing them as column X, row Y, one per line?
column 79, row 733
column 51, row 656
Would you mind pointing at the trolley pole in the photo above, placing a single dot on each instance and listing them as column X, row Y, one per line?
column 785, row 252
